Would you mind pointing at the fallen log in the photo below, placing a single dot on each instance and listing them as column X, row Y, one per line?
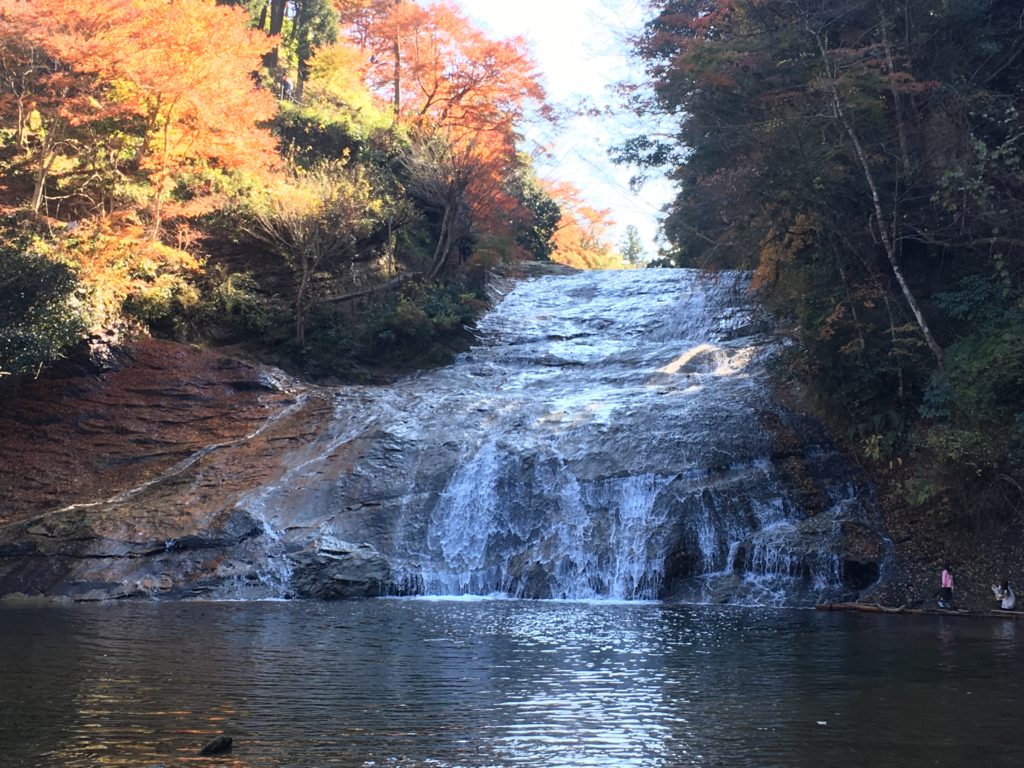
column 904, row 610
column 387, row 285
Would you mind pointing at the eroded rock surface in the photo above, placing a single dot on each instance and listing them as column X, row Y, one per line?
column 331, row 569
column 85, row 433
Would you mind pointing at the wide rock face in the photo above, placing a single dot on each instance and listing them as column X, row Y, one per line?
column 612, row 435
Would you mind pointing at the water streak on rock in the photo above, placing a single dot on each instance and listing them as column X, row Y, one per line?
column 612, row 436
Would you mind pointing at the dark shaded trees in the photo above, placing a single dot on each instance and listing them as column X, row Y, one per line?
column 863, row 158
column 536, row 231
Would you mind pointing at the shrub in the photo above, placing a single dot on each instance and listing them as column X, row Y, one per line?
column 38, row 319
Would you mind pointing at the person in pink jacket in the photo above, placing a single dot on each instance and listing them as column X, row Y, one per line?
column 946, row 582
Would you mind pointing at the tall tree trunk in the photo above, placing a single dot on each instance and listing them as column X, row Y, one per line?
column 301, row 301
column 152, row 117
column 156, row 209
column 277, row 8
column 43, row 167
column 858, row 326
column 397, row 96
column 45, row 158
column 20, row 135
column 443, row 243
column 897, row 102
column 892, row 339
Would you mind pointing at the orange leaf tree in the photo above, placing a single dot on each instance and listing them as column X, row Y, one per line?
column 450, row 81
column 49, row 99
column 179, row 73
column 581, row 237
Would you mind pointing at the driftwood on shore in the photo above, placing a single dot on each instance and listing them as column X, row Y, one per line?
column 904, row 610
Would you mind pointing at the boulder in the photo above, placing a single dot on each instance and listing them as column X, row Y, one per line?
column 331, row 569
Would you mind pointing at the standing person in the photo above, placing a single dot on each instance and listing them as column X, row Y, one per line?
column 946, row 582
column 287, row 88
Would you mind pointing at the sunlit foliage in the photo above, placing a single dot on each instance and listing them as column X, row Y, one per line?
column 208, row 167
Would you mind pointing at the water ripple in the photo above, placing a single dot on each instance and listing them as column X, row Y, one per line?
column 468, row 684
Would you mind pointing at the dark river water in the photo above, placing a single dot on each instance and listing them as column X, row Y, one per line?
column 504, row 683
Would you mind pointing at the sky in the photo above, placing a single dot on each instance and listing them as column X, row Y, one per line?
column 580, row 49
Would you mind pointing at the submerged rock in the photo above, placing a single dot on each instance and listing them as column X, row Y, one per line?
column 218, row 745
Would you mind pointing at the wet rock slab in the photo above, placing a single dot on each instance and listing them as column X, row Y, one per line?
column 85, row 433
column 331, row 569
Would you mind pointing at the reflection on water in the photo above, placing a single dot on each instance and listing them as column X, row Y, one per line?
column 503, row 683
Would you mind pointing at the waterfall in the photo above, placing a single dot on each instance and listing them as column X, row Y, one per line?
column 613, row 435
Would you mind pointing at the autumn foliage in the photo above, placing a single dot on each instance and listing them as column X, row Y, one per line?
column 446, row 78
column 174, row 78
column 137, row 134
column 581, row 237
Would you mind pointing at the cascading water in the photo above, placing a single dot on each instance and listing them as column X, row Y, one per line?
column 612, row 435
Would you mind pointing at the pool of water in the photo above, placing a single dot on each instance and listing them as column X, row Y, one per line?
column 503, row 683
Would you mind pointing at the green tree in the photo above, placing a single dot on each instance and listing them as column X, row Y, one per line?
column 315, row 25
column 38, row 321
column 632, row 248
column 315, row 221
column 535, row 232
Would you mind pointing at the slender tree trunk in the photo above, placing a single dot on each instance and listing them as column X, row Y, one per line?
column 887, row 239
column 156, row 209
column 301, row 302
column 897, row 102
column 397, row 98
column 20, row 137
column 443, row 246
column 152, row 116
column 45, row 158
column 892, row 338
column 277, row 8
column 849, row 297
